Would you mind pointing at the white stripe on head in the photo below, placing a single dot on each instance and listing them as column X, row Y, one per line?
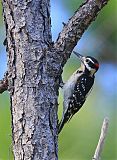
column 90, row 60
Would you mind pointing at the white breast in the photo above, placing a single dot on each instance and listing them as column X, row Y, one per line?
column 68, row 89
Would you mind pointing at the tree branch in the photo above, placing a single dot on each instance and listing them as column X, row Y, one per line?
column 76, row 26
column 101, row 139
column 4, row 83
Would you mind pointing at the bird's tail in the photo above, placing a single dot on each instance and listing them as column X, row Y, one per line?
column 62, row 122
column 61, row 125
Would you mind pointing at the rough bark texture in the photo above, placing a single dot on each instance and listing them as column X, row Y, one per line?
column 33, row 89
column 4, row 83
column 34, row 68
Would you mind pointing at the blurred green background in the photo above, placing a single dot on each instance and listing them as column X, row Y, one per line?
column 79, row 138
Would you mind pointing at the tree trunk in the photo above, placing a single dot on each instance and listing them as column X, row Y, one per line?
column 35, row 65
column 33, row 87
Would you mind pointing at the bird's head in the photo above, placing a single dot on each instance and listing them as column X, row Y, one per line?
column 88, row 63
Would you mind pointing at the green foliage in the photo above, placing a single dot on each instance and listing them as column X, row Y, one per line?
column 5, row 128
column 72, row 5
column 1, row 18
column 79, row 137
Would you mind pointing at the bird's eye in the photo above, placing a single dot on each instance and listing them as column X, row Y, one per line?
column 87, row 60
column 79, row 71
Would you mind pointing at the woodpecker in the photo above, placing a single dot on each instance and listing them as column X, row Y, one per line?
column 78, row 87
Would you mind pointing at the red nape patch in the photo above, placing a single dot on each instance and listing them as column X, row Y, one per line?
column 97, row 65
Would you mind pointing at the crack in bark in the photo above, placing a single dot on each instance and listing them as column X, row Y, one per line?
column 9, row 35
column 23, row 132
column 34, row 149
column 46, row 19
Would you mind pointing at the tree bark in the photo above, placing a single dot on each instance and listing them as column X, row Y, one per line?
column 35, row 66
column 4, row 83
column 33, row 89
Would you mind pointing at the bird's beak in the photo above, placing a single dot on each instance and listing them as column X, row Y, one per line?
column 79, row 56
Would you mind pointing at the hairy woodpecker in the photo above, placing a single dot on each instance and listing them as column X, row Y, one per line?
column 77, row 88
